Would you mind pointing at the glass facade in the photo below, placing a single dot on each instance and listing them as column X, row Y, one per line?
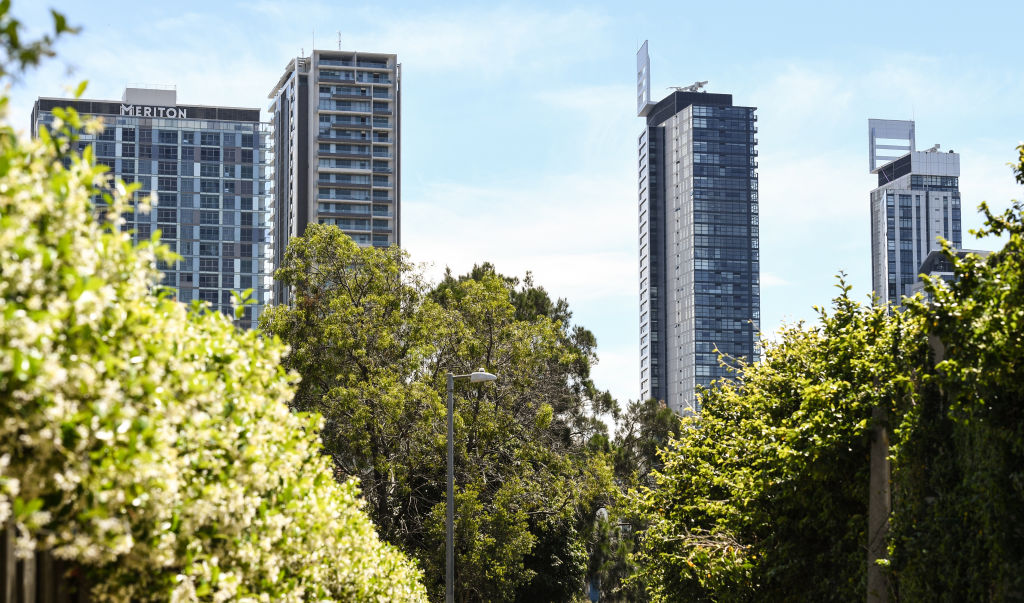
column 699, row 262
column 206, row 178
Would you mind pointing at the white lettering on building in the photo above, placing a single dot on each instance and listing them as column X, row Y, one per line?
column 140, row 111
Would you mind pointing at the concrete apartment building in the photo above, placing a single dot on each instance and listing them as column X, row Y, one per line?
column 336, row 148
column 917, row 201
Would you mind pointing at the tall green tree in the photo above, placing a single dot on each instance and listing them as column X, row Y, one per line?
column 373, row 343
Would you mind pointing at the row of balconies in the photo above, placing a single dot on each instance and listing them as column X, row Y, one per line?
column 364, row 64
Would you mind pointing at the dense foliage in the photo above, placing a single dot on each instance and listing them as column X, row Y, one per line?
column 769, row 485
column 373, row 343
column 958, row 521
column 148, row 442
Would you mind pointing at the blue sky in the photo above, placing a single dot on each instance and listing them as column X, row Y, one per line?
column 519, row 121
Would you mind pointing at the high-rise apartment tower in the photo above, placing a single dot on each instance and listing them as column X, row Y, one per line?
column 698, row 214
column 916, row 202
column 336, row 148
column 204, row 167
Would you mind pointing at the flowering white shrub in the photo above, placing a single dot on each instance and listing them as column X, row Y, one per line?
column 149, row 442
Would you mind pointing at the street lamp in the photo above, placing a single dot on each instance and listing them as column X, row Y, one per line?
column 478, row 376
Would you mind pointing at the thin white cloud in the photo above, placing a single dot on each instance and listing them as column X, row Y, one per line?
column 771, row 280
column 485, row 41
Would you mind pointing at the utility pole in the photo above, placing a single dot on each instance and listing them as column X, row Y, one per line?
column 879, row 503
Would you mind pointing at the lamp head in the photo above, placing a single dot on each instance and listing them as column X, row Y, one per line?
column 481, row 376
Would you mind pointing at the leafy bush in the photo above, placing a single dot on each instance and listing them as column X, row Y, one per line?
column 149, row 442
column 768, row 486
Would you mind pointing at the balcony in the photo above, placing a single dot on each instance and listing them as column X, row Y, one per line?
column 321, row 197
column 348, row 213
column 343, row 109
column 341, row 184
column 336, row 63
column 365, row 78
column 337, row 77
column 342, row 125
column 349, row 96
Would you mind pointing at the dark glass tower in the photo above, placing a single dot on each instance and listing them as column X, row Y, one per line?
column 699, row 265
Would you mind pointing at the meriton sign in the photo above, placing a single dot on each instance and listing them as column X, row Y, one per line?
column 140, row 111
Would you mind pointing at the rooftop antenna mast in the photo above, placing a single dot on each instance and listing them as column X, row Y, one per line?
column 339, row 40
column 694, row 87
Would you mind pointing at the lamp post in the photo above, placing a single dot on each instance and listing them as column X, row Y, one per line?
column 478, row 376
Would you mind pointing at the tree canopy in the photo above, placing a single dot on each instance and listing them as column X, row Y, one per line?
column 373, row 342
